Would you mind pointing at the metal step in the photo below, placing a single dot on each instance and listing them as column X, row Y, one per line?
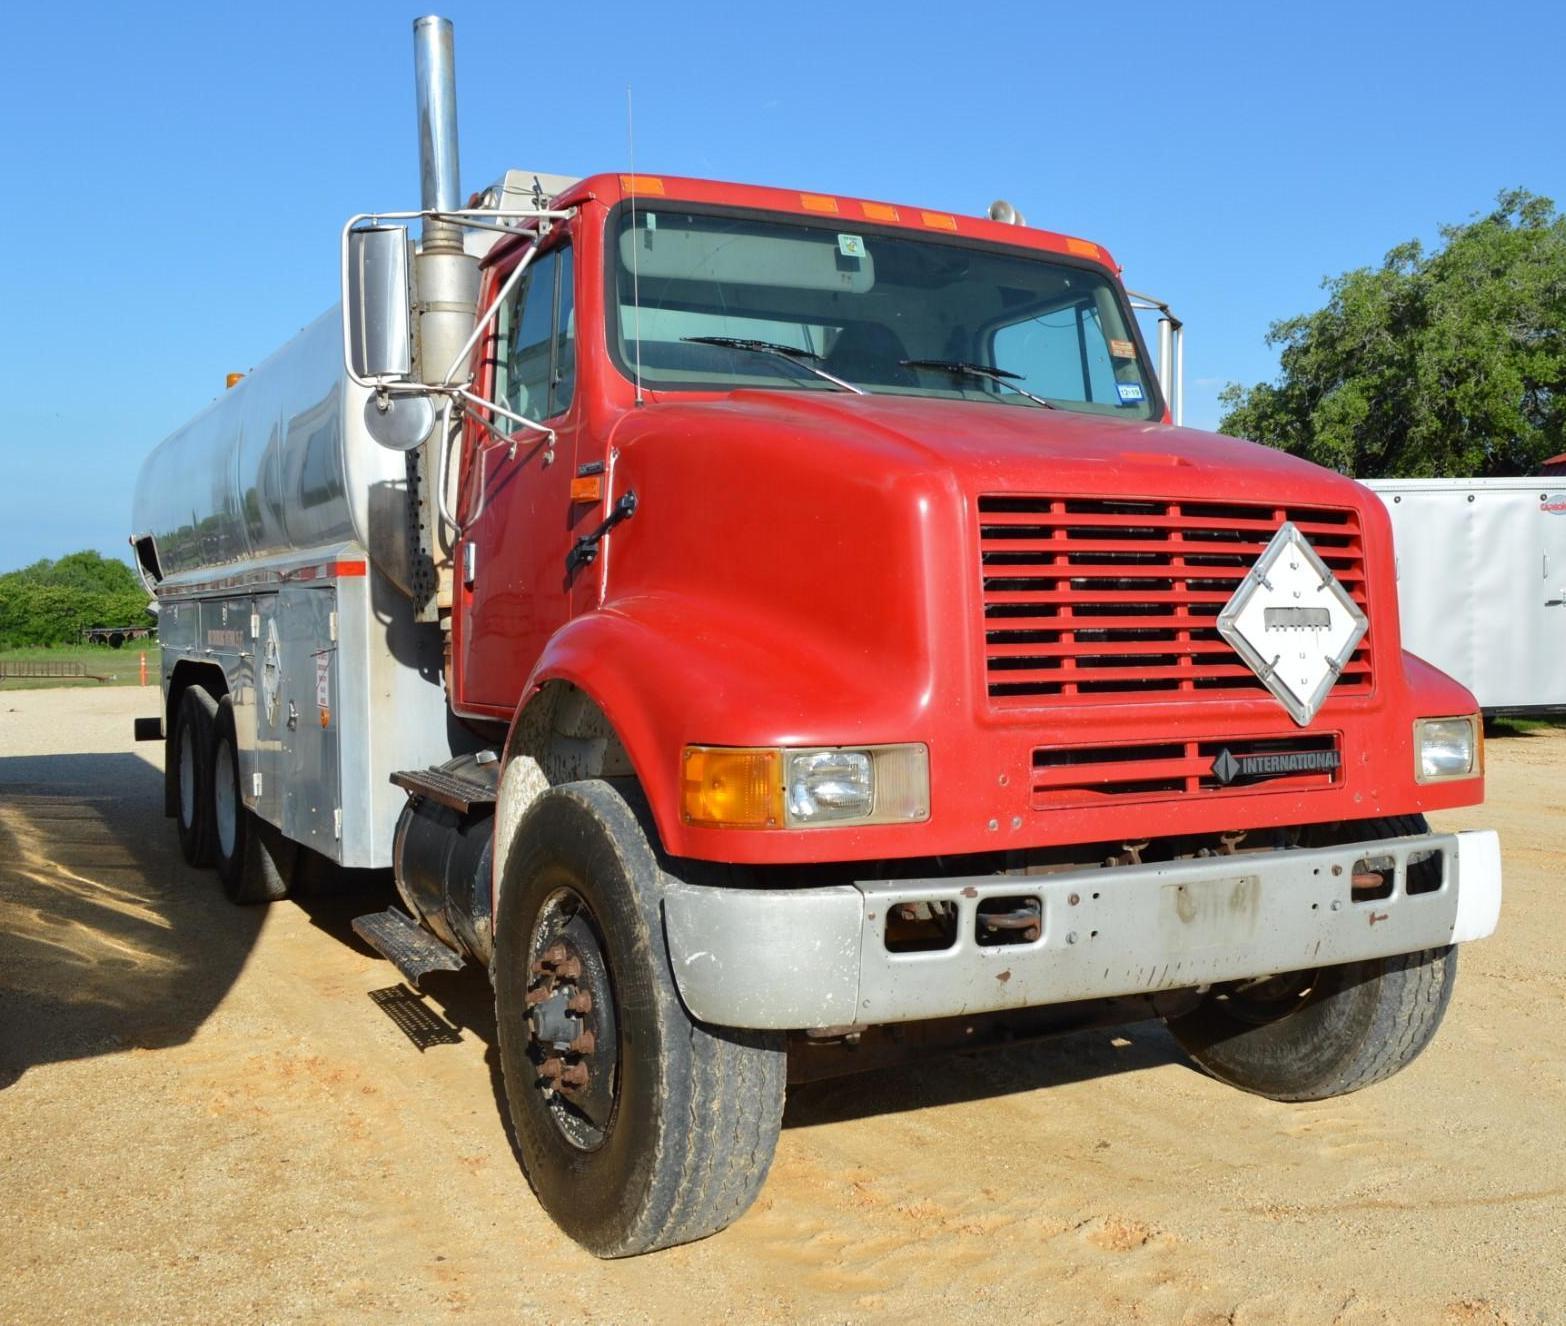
column 411, row 949
column 446, row 789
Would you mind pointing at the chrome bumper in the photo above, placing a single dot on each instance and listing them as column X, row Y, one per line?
column 817, row 957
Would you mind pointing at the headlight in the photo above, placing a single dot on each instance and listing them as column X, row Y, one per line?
column 1448, row 748
column 735, row 787
column 824, row 785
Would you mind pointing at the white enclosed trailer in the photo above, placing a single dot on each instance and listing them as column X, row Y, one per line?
column 1481, row 583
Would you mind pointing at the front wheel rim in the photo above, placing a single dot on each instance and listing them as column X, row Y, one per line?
column 225, row 798
column 573, row 1041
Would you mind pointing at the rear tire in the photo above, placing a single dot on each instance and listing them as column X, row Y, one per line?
column 254, row 861
column 670, row 1132
column 1314, row 1035
column 190, row 773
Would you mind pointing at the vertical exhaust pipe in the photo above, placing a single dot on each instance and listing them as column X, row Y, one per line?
column 447, row 276
column 435, row 76
column 446, row 281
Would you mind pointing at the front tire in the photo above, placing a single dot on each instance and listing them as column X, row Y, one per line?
column 655, row 1129
column 1314, row 1035
column 254, row 861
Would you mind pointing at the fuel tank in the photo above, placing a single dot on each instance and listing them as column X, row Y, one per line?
column 279, row 465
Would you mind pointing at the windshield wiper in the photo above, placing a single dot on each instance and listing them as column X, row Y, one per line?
column 790, row 354
column 962, row 369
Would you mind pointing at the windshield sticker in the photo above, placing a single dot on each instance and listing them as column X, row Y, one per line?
column 1122, row 349
column 851, row 246
column 1129, row 391
column 652, row 220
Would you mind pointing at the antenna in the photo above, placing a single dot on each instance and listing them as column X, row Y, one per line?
column 636, row 284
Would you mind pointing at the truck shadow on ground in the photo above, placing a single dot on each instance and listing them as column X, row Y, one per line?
column 450, row 1004
column 108, row 941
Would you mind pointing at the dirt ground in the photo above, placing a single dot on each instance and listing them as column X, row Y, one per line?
column 212, row 1114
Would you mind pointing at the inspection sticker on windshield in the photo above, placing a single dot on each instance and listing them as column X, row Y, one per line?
column 1129, row 391
column 1122, row 349
column 851, row 246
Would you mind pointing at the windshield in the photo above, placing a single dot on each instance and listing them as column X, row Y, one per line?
column 889, row 313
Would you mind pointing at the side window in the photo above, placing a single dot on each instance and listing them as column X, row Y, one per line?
column 536, row 367
column 565, row 336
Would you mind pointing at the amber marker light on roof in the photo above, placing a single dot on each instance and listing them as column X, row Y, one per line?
column 938, row 220
column 817, row 202
column 879, row 211
column 641, row 184
column 731, row 787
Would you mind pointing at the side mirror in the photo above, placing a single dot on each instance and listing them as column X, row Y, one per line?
column 378, row 303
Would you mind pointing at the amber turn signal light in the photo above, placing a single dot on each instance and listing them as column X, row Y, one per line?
column 731, row 787
column 590, row 489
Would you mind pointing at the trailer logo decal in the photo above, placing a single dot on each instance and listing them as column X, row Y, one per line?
column 1277, row 764
column 1555, row 504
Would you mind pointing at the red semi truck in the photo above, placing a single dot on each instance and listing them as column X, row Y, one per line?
column 773, row 632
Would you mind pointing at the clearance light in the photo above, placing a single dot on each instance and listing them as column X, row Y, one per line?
column 641, row 184
column 1447, row 748
column 823, row 786
column 817, row 202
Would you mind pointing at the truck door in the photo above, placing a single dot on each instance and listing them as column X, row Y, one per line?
column 512, row 592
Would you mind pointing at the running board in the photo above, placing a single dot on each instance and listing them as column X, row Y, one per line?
column 409, row 948
column 445, row 789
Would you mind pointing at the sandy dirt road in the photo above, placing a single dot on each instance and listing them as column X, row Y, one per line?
column 210, row 1114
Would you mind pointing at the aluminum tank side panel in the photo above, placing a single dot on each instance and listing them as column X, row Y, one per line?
column 279, row 464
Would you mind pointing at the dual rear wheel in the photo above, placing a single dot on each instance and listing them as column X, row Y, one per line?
column 253, row 860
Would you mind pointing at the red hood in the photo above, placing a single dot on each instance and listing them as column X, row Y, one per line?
column 1019, row 448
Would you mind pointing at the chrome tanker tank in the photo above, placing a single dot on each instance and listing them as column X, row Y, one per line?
column 278, row 467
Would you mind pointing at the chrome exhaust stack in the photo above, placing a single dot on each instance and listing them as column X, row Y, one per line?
column 447, row 277
column 446, row 281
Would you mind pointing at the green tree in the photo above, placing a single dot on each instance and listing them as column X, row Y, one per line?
column 1451, row 362
column 49, row 603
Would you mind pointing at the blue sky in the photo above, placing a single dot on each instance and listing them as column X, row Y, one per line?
column 174, row 177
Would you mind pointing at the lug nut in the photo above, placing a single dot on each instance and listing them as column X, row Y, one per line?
column 537, row 995
column 573, row 1077
column 551, row 1068
column 568, row 969
column 582, row 1002
column 586, row 1043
